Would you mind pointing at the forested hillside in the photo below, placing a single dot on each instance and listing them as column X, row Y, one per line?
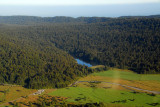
column 35, row 51
column 124, row 43
column 34, row 62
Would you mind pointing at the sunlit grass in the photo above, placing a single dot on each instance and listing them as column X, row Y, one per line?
column 125, row 77
column 84, row 95
column 128, row 75
column 112, row 94
column 13, row 92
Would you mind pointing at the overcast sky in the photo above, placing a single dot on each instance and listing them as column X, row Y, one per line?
column 76, row 8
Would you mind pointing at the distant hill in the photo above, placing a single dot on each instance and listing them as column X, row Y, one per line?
column 28, row 20
column 23, row 20
column 151, row 16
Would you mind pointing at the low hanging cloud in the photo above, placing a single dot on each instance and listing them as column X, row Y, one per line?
column 74, row 2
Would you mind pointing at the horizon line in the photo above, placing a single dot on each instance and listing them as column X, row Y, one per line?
column 80, row 16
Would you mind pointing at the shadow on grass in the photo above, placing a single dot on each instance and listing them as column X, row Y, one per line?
column 153, row 104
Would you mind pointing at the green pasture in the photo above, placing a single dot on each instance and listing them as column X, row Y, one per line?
column 128, row 75
column 109, row 96
column 112, row 96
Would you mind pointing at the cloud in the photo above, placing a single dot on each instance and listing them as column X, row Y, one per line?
column 73, row 2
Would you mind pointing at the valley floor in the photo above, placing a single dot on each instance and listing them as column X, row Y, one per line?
column 114, row 87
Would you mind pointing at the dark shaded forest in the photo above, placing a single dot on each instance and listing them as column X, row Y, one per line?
column 36, row 52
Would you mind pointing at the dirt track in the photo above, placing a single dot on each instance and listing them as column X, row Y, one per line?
column 125, row 86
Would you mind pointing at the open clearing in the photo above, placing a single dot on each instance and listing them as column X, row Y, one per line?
column 18, row 94
column 84, row 95
column 128, row 75
column 9, row 93
column 84, row 92
column 143, row 81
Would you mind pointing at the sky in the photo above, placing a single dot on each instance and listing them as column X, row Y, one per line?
column 78, row 8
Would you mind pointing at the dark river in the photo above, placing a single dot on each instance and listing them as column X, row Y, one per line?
column 83, row 63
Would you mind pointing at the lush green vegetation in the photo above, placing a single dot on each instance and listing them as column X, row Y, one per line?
column 91, row 94
column 84, row 95
column 125, row 77
column 122, row 43
column 110, row 94
column 36, row 52
column 128, row 75
column 125, row 42
column 35, row 63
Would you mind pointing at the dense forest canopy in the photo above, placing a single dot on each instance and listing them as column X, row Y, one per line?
column 36, row 51
column 34, row 62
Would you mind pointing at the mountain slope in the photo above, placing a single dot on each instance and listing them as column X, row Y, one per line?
column 35, row 63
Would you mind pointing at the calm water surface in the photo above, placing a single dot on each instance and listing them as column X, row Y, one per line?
column 83, row 63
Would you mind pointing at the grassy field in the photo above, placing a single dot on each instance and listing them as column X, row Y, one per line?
column 128, row 75
column 84, row 95
column 21, row 95
column 125, row 77
column 9, row 93
column 114, row 95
